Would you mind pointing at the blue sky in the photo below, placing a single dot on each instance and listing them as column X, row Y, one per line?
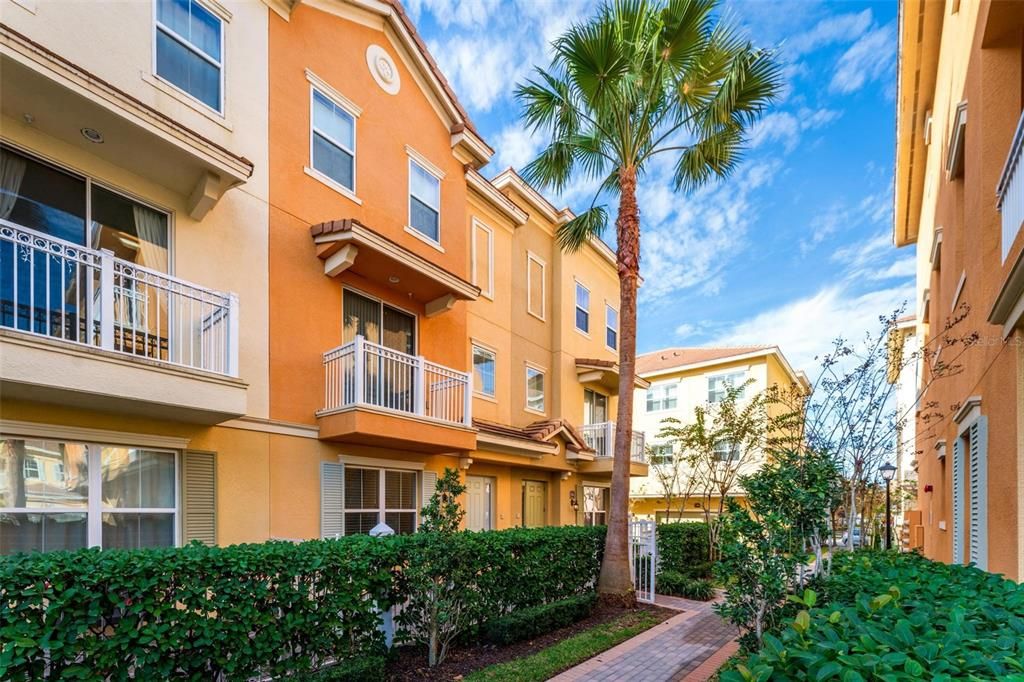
column 794, row 248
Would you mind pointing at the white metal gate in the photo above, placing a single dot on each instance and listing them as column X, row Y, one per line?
column 643, row 558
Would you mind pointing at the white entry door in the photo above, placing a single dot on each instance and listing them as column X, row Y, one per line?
column 479, row 503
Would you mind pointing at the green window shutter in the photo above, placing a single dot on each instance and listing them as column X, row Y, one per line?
column 428, row 485
column 958, row 501
column 979, row 493
column 332, row 505
column 199, row 497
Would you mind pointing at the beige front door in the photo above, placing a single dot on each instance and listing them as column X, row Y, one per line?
column 535, row 503
column 479, row 503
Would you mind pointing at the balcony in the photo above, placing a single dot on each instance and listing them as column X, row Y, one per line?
column 1010, row 190
column 601, row 437
column 374, row 395
column 81, row 327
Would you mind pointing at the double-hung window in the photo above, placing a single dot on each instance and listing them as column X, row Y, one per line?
column 726, row 451
column 595, row 505
column 333, row 143
column 661, row 397
column 534, row 389
column 189, row 50
column 611, row 327
column 582, row 308
column 661, row 453
column 424, row 201
column 483, row 370
column 79, row 495
column 719, row 386
column 373, row 496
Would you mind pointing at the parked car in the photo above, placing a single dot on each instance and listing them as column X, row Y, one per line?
column 858, row 541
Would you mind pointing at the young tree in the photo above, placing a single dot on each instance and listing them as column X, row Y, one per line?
column 676, row 479
column 724, row 440
column 639, row 79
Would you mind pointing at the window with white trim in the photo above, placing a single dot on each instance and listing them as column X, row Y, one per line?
column 373, row 496
column 661, row 453
column 611, row 327
column 535, row 285
column 582, row 308
column 719, row 385
column 332, row 140
column 595, row 505
column 86, row 495
column 484, row 361
column 726, row 451
column 189, row 50
column 662, row 397
column 534, row 389
column 424, row 201
column 483, row 258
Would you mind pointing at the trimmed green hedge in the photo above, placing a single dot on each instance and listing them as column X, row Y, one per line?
column 683, row 548
column 883, row 615
column 678, row 585
column 538, row 620
column 276, row 608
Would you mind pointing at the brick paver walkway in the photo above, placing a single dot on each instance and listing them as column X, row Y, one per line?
column 687, row 647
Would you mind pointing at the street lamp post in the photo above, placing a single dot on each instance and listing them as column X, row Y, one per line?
column 888, row 471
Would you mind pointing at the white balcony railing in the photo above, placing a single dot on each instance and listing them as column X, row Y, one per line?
column 362, row 373
column 57, row 289
column 601, row 437
column 1010, row 190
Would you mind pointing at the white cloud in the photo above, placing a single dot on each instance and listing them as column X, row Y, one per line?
column 870, row 58
column 686, row 330
column 842, row 28
column 515, row 147
column 482, row 73
column 872, row 210
column 786, row 127
column 806, row 327
column 876, row 259
column 463, row 13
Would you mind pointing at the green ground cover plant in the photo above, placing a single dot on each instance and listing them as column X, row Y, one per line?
column 537, row 620
column 889, row 616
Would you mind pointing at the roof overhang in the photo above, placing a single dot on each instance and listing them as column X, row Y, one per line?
column 957, row 139
column 920, row 34
column 514, row 446
column 349, row 245
column 604, row 373
column 498, row 201
column 64, row 98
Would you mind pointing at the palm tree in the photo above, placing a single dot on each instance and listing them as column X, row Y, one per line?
column 639, row 79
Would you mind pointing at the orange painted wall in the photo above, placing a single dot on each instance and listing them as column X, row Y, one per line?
column 305, row 305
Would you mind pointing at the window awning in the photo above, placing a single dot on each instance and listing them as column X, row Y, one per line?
column 349, row 245
column 604, row 373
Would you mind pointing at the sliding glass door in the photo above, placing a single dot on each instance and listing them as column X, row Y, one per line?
column 390, row 373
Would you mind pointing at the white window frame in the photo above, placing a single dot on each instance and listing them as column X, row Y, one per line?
column 662, row 401
column 95, row 509
column 317, row 85
column 656, row 446
column 382, row 508
column 158, row 26
column 534, row 258
column 544, row 389
column 724, row 376
column 606, row 492
column 428, row 167
column 578, row 308
column 488, row 290
column 34, row 468
column 608, row 327
column 722, row 446
column 474, row 347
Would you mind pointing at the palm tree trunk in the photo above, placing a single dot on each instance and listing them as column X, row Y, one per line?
column 614, row 584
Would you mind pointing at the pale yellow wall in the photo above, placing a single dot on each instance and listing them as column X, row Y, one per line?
column 227, row 250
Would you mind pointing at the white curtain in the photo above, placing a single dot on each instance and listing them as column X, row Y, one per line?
column 12, row 171
column 151, row 227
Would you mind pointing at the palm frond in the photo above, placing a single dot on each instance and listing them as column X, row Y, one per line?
column 687, row 27
column 750, row 84
column 715, row 155
column 548, row 103
column 552, row 167
column 578, row 231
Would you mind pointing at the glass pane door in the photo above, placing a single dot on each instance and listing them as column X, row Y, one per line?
column 595, row 407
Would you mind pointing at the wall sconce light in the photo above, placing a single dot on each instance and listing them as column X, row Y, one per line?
column 928, row 488
column 573, row 502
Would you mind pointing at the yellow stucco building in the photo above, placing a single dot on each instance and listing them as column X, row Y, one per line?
column 679, row 381
column 243, row 298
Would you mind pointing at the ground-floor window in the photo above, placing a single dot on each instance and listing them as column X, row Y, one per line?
column 59, row 495
column 376, row 495
column 595, row 506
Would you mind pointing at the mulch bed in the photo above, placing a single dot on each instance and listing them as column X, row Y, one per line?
column 410, row 663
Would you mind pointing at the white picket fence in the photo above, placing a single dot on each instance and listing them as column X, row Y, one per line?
column 643, row 558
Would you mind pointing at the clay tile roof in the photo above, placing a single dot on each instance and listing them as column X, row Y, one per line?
column 538, row 432
column 332, row 226
column 594, row 362
column 668, row 358
column 411, row 28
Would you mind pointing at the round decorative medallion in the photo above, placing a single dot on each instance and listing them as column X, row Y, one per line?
column 383, row 69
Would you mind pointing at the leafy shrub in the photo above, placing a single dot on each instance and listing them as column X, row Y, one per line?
column 538, row 620
column 683, row 548
column 277, row 608
column 678, row 585
column 897, row 616
column 372, row 668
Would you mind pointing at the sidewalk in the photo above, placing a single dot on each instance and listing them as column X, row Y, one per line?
column 687, row 647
